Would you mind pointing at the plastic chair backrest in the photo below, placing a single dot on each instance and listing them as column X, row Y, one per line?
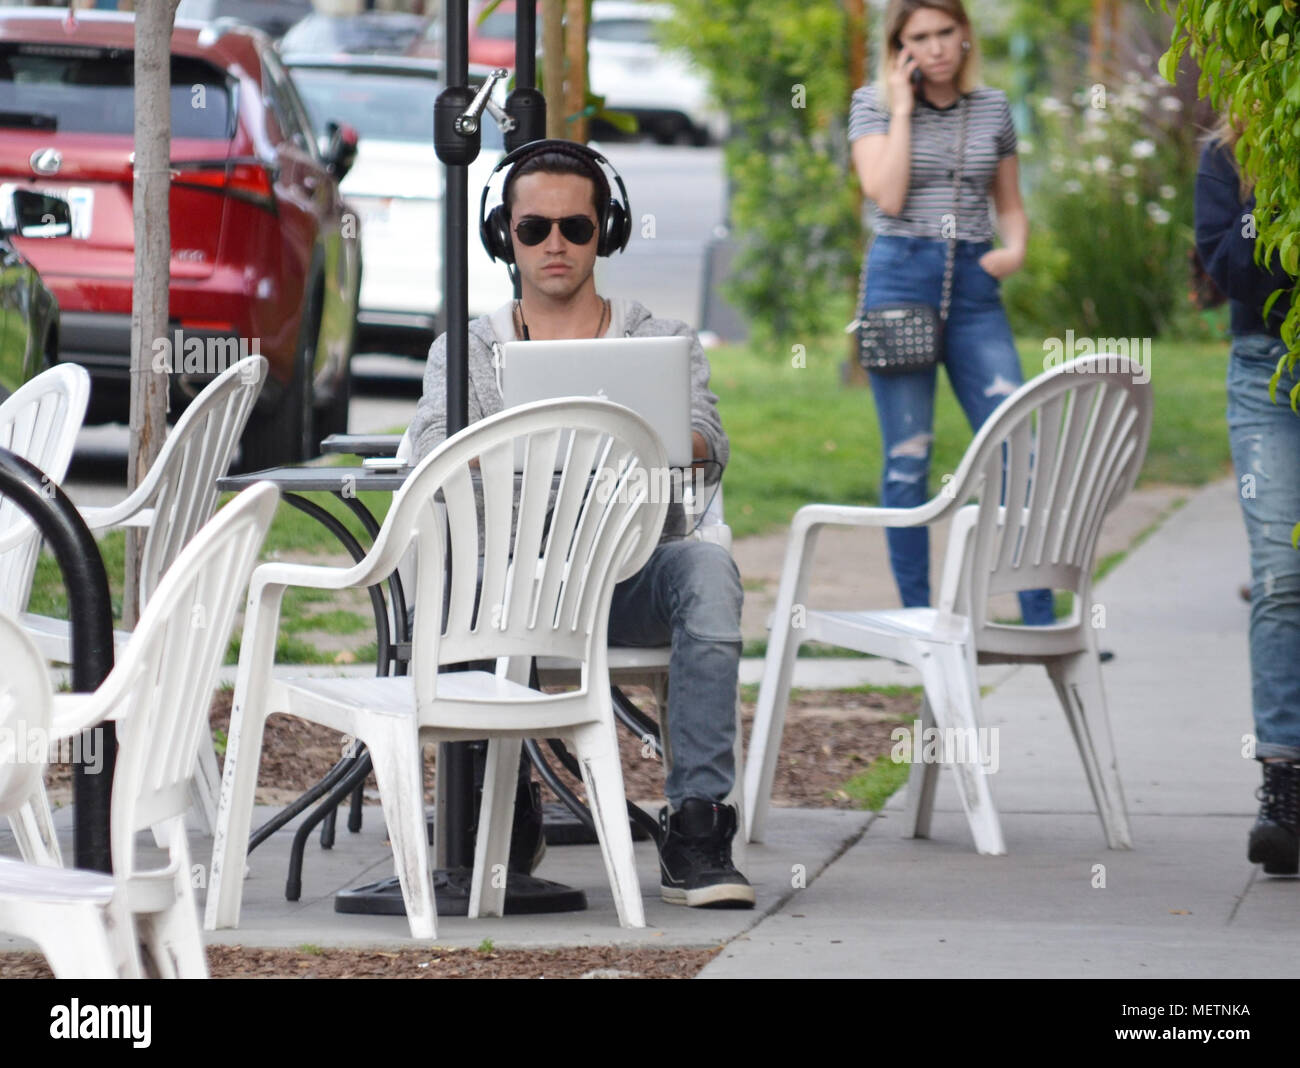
column 548, row 565
column 1047, row 466
column 26, row 696
column 38, row 422
column 162, row 686
column 196, row 453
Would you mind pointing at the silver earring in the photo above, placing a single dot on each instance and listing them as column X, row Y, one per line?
column 965, row 46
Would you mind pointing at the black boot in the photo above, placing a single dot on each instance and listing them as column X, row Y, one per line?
column 1275, row 838
column 695, row 857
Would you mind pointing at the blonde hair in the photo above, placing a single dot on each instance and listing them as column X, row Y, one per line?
column 1227, row 132
column 896, row 16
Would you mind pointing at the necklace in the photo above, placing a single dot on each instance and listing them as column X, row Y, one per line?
column 521, row 327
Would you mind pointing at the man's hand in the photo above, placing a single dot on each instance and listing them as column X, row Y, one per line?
column 699, row 450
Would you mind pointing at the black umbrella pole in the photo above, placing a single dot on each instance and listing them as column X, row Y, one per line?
column 90, row 614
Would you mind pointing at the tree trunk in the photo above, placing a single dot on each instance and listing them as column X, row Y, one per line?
column 575, row 83
column 553, row 65
column 154, row 20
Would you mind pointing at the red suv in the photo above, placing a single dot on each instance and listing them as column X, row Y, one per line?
column 265, row 257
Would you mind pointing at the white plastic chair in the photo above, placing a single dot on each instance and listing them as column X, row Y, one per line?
column 75, row 917
column 553, row 600
column 159, row 694
column 38, row 422
column 175, row 499
column 1045, row 468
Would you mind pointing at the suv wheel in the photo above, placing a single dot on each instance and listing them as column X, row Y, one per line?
column 284, row 435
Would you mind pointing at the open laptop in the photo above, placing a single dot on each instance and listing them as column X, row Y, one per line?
column 650, row 375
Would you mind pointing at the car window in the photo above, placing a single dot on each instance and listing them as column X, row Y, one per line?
column 382, row 107
column 91, row 90
column 289, row 114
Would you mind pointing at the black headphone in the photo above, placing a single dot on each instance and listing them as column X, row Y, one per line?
column 615, row 220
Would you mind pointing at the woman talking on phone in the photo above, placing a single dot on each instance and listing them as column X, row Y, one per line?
column 930, row 148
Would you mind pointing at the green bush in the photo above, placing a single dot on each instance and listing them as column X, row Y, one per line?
column 1249, row 56
column 1112, row 214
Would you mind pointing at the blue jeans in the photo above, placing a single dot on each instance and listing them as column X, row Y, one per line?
column 689, row 595
column 980, row 357
column 1265, row 441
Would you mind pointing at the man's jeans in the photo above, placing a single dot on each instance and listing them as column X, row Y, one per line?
column 689, row 595
column 1266, row 453
column 983, row 367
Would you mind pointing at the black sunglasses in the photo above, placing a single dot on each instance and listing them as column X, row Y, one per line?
column 534, row 229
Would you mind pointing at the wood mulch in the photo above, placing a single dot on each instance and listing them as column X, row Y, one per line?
column 427, row 962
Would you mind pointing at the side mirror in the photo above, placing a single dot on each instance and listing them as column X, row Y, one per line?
column 340, row 148
column 40, row 214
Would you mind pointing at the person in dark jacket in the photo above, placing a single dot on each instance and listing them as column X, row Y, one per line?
column 1265, row 439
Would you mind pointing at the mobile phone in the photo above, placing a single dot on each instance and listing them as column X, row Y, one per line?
column 383, row 463
column 918, row 79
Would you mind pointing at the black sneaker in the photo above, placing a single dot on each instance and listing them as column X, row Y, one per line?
column 1275, row 838
column 695, row 857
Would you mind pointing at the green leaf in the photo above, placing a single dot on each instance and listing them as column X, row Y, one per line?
column 1270, row 20
column 1211, row 16
column 1295, row 536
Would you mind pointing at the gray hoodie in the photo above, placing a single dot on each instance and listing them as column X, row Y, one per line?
column 488, row 333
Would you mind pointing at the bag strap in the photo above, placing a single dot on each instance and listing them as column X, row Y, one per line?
column 946, row 300
column 946, row 303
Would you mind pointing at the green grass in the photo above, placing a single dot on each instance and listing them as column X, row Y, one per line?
column 873, row 787
column 798, row 435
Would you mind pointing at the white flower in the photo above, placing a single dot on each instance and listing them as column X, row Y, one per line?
column 1131, row 198
column 1092, row 135
column 1143, row 149
column 1171, row 103
column 1026, row 147
column 1128, row 170
column 1132, row 76
column 1168, row 192
column 1057, row 165
column 1049, row 105
column 1157, row 213
column 1144, row 59
column 1082, row 167
column 1072, row 187
column 1101, row 164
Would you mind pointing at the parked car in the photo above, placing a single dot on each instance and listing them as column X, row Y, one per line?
column 396, row 189
column 29, row 313
column 274, row 17
column 634, row 73
column 370, row 32
column 261, row 260
column 492, row 36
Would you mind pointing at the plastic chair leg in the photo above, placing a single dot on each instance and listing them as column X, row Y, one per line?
column 487, row 896
column 597, row 752
column 234, row 819
column 172, row 935
column 921, row 780
column 1078, row 684
column 952, row 687
column 395, row 754
column 768, row 728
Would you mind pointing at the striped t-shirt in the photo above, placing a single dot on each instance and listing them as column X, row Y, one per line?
column 936, row 133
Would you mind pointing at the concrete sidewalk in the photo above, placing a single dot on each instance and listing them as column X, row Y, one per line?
column 1184, row 902
column 844, row 894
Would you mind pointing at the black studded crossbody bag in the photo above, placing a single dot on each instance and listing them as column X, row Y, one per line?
column 904, row 337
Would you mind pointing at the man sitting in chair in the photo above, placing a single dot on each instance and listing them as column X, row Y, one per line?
column 557, row 215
